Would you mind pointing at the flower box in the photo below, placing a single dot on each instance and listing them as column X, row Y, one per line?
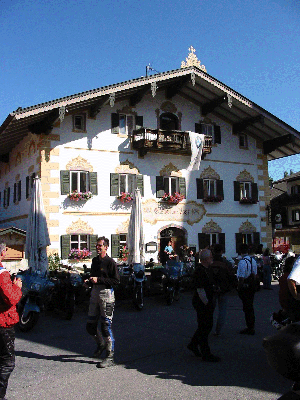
column 247, row 200
column 77, row 254
column 125, row 197
column 213, row 199
column 172, row 199
column 76, row 196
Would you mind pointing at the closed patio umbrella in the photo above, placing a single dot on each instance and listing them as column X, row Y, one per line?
column 135, row 238
column 37, row 235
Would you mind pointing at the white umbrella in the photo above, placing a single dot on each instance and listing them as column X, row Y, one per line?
column 135, row 237
column 37, row 235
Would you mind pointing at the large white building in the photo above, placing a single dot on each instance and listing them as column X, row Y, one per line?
column 136, row 134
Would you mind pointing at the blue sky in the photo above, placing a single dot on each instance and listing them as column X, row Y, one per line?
column 50, row 49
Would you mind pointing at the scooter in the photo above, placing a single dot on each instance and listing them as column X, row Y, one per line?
column 138, row 277
column 35, row 287
column 171, row 280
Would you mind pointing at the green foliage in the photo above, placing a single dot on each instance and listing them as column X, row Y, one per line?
column 53, row 261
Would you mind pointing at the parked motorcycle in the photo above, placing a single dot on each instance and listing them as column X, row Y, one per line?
column 171, row 280
column 35, row 287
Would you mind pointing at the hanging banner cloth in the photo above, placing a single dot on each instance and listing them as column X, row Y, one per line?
column 197, row 143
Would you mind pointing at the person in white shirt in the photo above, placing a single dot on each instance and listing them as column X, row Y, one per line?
column 246, row 274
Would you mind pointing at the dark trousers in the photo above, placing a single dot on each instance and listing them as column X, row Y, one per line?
column 247, row 297
column 7, row 357
column 205, row 325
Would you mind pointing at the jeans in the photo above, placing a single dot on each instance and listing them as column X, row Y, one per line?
column 221, row 301
column 101, row 307
column 267, row 278
column 7, row 357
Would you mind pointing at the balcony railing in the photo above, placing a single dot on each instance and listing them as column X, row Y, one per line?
column 164, row 141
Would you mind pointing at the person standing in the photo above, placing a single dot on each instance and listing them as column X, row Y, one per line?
column 204, row 306
column 246, row 274
column 225, row 280
column 267, row 271
column 104, row 276
column 10, row 294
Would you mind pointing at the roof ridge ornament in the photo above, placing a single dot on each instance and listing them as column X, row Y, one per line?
column 192, row 60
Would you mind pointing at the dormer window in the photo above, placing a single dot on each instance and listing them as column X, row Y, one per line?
column 79, row 124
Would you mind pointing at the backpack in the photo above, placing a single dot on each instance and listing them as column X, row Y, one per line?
column 250, row 282
column 224, row 279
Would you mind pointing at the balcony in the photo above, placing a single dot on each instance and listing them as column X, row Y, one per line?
column 163, row 141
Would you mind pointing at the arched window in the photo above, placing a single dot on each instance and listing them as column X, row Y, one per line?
column 169, row 122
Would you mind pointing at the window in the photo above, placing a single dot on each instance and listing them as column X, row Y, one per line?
column 243, row 141
column 210, row 130
column 170, row 185
column 125, row 123
column 209, row 187
column 79, row 123
column 125, row 183
column 82, row 181
column 79, row 181
column 169, row 122
column 245, row 192
column 295, row 215
column 295, row 189
column 78, row 241
column 211, row 239
column 17, row 191
column 251, row 239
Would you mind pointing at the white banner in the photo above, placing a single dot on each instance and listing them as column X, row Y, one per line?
column 197, row 143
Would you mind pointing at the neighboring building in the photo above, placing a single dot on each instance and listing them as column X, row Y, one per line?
column 285, row 206
column 136, row 134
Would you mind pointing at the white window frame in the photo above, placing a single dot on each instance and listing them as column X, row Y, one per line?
column 127, row 128
column 213, row 238
column 81, row 244
column 168, row 180
column 126, row 187
column 79, row 189
column 209, row 187
column 243, row 190
column 296, row 219
column 248, row 238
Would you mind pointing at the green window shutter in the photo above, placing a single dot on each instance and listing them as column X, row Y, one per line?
column 182, row 186
column 238, row 241
column 65, row 246
column 140, row 183
column 114, row 123
column 256, row 239
column 93, row 243
column 236, row 188
column 220, row 191
column 217, row 134
column 254, row 190
column 139, row 122
column 4, row 198
column 203, row 240
column 27, row 187
column 115, row 245
column 160, row 190
column 8, row 195
column 222, row 240
column 114, row 184
column 200, row 189
column 65, row 182
column 15, row 192
column 19, row 190
column 93, row 183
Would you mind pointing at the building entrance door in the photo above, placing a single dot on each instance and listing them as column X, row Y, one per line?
column 177, row 237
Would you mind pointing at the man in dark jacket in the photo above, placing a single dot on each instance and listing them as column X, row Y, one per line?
column 10, row 294
column 203, row 303
column 104, row 276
